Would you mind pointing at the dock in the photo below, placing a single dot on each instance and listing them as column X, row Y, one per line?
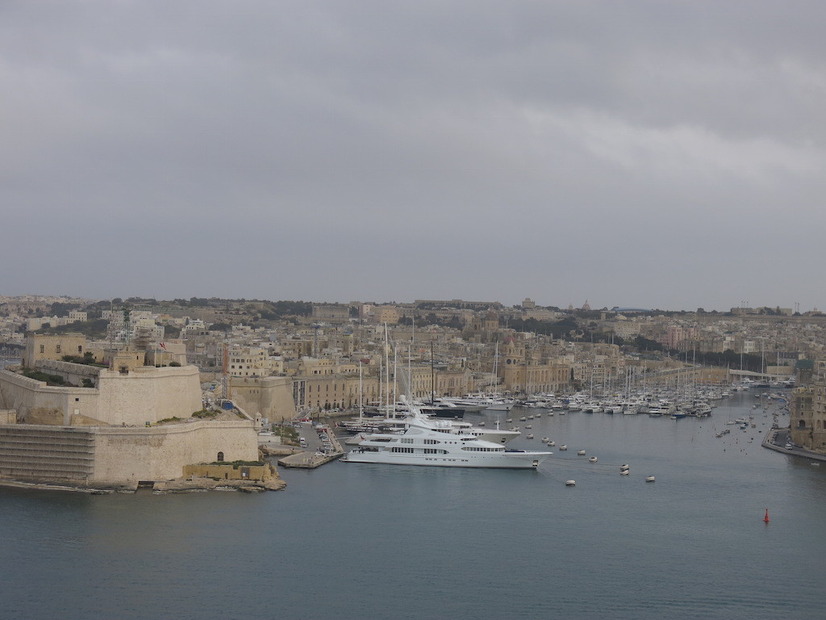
column 322, row 446
column 308, row 459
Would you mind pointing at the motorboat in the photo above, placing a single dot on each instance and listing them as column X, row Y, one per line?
column 592, row 459
column 442, row 409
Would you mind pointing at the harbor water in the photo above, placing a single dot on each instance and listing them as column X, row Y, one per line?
column 382, row 541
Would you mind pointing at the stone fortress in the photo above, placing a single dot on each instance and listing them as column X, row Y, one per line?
column 119, row 419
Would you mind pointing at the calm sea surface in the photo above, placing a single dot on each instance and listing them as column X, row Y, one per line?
column 379, row 541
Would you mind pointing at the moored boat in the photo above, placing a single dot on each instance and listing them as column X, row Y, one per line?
column 418, row 445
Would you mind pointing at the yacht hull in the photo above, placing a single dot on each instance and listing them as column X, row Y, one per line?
column 510, row 460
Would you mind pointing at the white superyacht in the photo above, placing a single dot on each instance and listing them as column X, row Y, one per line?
column 418, row 444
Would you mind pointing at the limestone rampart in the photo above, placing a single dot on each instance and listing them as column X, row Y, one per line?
column 160, row 453
column 71, row 372
column 134, row 398
column 271, row 397
column 27, row 395
column 115, row 457
column 148, row 394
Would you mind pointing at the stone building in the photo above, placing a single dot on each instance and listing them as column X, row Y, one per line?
column 526, row 371
column 49, row 347
column 807, row 411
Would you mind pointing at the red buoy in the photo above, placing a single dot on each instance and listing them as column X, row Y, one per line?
column 766, row 517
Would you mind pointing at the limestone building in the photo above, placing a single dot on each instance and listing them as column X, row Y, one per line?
column 807, row 413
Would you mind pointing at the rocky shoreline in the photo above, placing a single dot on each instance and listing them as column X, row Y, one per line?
column 179, row 485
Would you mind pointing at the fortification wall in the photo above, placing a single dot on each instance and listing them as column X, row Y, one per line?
column 129, row 455
column 71, row 372
column 28, row 396
column 142, row 395
column 107, row 456
column 148, row 394
column 271, row 397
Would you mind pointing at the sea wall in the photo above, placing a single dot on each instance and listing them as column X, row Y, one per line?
column 119, row 456
column 160, row 453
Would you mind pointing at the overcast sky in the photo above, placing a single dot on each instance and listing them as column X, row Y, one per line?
column 659, row 154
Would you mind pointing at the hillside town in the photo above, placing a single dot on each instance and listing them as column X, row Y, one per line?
column 142, row 364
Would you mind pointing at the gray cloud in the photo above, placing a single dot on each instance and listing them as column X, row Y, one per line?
column 633, row 153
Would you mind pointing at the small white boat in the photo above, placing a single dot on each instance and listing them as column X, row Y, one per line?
column 562, row 448
column 570, row 483
column 581, row 452
column 624, row 472
column 625, row 467
column 593, row 459
column 649, row 478
column 529, row 436
column 545, row 439
column 552, row 443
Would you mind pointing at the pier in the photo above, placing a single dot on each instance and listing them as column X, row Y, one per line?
column 322, row 446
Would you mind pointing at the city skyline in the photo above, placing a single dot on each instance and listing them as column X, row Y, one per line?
column 664, row 156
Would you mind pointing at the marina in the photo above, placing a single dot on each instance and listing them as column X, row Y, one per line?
column 607, row 545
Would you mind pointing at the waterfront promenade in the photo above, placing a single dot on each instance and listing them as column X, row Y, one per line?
column 777, row 438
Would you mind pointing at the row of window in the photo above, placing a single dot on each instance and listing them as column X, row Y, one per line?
column 429, row 442
column 398, row 449
column 59, row 349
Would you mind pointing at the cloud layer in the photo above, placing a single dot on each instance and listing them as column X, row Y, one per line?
column 654, row 154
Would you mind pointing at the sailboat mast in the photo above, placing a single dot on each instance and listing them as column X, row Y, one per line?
column 387, row 375
column 361, row 395
column 432, row 376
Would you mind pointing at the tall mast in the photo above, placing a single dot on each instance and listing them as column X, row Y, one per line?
column 432, row 376
column 361, row 395
column 387, row 373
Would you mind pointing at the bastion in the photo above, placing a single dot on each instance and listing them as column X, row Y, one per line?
column 124, row 428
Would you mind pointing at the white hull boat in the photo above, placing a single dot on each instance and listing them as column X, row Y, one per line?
column 417, row 445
